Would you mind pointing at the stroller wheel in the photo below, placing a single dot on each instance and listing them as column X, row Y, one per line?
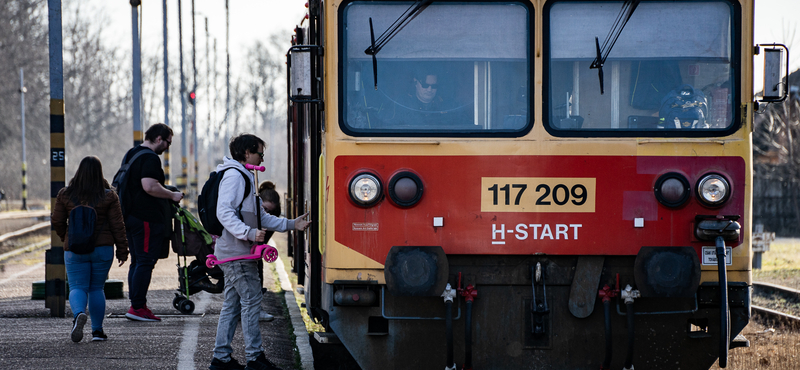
column 186, row 306
column 176, row 302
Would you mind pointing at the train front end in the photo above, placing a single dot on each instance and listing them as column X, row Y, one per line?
column 499, row 190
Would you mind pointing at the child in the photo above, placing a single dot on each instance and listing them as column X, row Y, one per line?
column 242, row 286
column 271, row 202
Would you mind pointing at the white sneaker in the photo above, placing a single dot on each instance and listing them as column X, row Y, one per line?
column 263, row 316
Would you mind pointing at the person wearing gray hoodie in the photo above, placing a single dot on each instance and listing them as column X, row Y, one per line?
column 242, row 294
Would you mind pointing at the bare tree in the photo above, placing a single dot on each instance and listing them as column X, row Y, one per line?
column 776, row 164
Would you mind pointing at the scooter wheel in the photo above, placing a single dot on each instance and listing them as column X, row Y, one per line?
column 270, row 254
column 211, row 262
column 186, row 307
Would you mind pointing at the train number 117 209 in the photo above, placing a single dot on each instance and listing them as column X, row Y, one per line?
column 537, row 194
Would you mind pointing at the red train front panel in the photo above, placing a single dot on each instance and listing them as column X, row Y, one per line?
column 568, row 205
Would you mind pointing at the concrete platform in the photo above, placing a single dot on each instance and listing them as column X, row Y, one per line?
column 31, row 339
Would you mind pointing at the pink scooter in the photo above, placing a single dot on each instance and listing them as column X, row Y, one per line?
column 265, row 251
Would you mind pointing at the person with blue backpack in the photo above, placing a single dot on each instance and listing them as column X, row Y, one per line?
column 87, row 217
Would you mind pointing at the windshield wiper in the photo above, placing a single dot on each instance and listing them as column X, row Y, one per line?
column 628, row 7
column 376, row 45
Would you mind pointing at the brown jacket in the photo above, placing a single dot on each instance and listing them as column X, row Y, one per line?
column 109, row 218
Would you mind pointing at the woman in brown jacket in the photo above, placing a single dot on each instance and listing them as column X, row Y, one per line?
column 87, row 273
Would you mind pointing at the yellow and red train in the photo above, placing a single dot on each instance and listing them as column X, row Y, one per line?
column 526, row 184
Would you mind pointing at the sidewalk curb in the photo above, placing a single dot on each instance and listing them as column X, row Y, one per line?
column 300, row 331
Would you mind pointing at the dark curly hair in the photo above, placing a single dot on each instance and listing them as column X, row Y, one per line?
column 242, row 143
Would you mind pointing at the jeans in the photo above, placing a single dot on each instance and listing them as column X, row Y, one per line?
column 87, row 275
column 242, row 302
column 146, row 241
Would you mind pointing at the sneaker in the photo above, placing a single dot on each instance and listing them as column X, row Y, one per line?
column 142, row 314
column 99, row 336
column 217, row 364
column 77, row 327
column 261, row 363
column 265, row 317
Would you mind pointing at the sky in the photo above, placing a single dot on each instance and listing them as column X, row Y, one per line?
column 251, row 20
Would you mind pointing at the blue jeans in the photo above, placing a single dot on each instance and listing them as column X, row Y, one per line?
column 146, row 241
column 87, row 275
column 242, row 302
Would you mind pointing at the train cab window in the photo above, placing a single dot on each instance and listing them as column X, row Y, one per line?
column 672, row 71
column 449, row 69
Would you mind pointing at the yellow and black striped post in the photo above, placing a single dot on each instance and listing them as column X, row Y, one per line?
column 55, row 272
column 166, row 167
column 22, row 91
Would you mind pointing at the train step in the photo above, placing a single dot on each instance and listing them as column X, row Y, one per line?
column 740, row 341
column 327, row 338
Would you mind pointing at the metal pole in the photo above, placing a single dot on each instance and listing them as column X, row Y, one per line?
column 227, row 71
column 183, row 177
column 22, row 91
column 137, row 74
column 54, row 269
column 166, row 69
column 166, row 93
column 208, row 96
column 194, row 189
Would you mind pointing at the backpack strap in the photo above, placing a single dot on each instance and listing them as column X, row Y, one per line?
column 246, row 185
column 136, row 156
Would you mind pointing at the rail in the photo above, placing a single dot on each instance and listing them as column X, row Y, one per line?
column 774, row 315
column 24, row 231
column 23, row 214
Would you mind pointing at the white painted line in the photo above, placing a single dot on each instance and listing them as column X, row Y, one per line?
column 191, row 330
column 31, row 269
column 300, row 331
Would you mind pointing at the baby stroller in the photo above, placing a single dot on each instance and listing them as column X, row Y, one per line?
column 189, row 238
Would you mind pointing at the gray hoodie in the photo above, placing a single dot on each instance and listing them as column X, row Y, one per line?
column 240, row 233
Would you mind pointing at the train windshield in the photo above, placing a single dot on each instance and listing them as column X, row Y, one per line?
column 448, row 69
column 671, row 71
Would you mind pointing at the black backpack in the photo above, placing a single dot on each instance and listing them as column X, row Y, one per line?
column 207, row 201
column 120, row 181
column 80, row 231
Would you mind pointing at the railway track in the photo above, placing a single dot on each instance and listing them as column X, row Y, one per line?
column 783, row 296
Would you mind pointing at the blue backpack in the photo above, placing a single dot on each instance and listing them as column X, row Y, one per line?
column 80, row 229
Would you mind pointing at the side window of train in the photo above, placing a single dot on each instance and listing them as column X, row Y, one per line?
column 670, row 70
column 449, row 70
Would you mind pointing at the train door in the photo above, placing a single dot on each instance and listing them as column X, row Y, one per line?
column 305, row 151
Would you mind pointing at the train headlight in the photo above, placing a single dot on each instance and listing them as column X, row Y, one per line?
column 365, row 189
column 713, row 190
column 672, row 189
column 405, row 189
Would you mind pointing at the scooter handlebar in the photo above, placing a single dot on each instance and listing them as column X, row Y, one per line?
column 257, row 168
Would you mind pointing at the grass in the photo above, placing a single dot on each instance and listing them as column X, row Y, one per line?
column 772, row 347
column 781, row 264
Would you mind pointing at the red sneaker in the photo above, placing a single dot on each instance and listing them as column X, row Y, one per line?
column 142, row 314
